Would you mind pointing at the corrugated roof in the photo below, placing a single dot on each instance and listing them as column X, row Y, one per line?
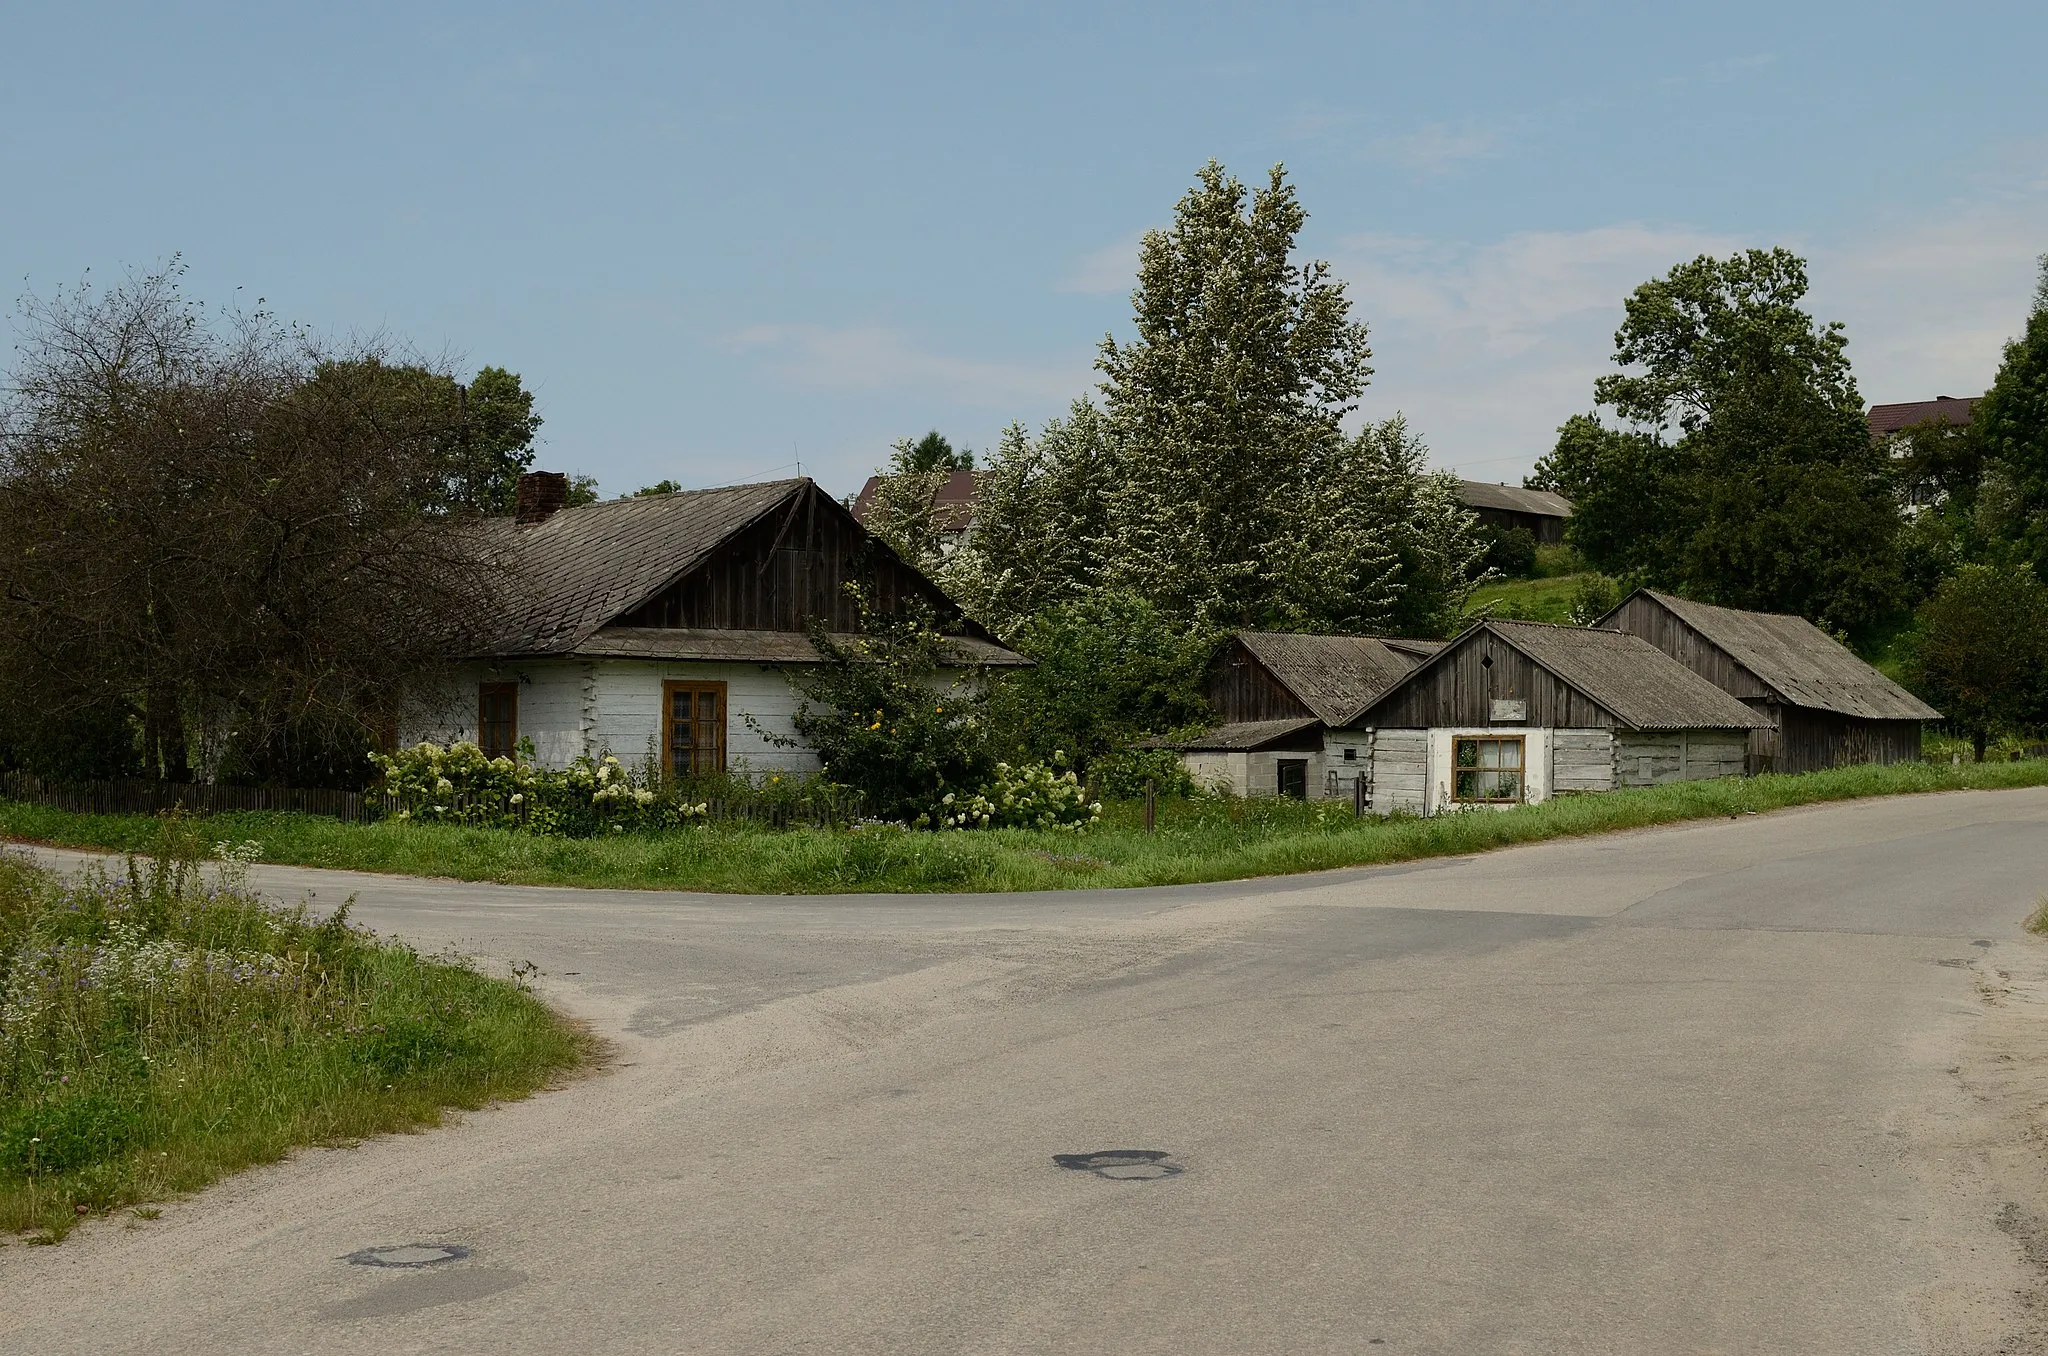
column 585, row 565
column 758, row 647
column 1333, row 676
column 1513, row 499
column 1886, row 419
column 1804, row 664
column 1241, row 736
column 1644, row 687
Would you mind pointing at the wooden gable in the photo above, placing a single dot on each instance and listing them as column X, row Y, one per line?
column 1243, row 689
column 1459, row 686
column 789, row 566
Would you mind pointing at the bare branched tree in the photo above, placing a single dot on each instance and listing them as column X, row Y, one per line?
column 220, row 531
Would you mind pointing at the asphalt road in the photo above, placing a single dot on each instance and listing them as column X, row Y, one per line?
column 1756, row 1086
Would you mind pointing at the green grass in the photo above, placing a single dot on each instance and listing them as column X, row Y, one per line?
column 1545, row 600
column 160, row 1027
column 1202, row 840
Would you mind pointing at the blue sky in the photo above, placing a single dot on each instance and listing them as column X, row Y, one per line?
column 717, row 239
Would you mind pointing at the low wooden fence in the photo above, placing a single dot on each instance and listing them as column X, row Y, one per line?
column 138, row 797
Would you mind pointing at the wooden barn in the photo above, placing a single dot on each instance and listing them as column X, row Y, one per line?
column 1541, row 513
column 669, row 623
column 1824, row 707
column 1512, row 713
column 1278, row 695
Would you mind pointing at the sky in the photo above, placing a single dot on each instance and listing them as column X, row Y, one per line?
column 718, row 241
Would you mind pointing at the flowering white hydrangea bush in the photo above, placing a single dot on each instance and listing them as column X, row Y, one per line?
column 461, row 785
column 1032, row 796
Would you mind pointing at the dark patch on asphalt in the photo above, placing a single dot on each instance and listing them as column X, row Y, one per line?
column 2028, row 1230
column 409, row 1255
column 428, row 1290
column 1122, row 1165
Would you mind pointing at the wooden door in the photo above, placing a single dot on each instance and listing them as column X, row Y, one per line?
column 692, row 728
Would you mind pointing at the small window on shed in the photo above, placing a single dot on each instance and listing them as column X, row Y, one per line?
column 1486, row 771
column 1294, row 777
column 1351, row 755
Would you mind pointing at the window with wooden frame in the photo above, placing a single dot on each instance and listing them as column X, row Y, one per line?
column 497, row 719
column 1487, row 771
column 692, row 728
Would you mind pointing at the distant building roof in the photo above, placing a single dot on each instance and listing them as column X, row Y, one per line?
column 1335, row 675
column 1887, row 419
column 1480, row 494
column 1804, row 664
column 952, row 507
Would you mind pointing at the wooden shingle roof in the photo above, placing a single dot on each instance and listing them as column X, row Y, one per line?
column 1803, row 664
column 1334, row 676
column 586, row 565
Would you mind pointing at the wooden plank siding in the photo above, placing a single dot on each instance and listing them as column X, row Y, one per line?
column 1809, row 740
column 1243, row 689
column 788, row 568
column 1645, row 617
column 1581, row 761
column 1460, row 690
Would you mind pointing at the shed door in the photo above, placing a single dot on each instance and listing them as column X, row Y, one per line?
column 693, row 728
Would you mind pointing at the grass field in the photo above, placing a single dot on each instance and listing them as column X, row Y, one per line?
column 160, row 1028
column 1544, row 600
column 1202, row 840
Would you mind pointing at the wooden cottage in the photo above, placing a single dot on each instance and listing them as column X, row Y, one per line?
column 1512, row 713
column 1278, row 695
column 669, row 623
column 1823, row 706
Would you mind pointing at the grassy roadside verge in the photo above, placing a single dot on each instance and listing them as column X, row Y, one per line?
column 1197, row 841
column 161, row 1028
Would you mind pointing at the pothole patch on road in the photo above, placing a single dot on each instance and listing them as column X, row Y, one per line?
column 411, row 1255
column 1122, row 1165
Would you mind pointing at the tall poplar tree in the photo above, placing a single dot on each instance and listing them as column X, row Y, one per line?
column 1244, row 365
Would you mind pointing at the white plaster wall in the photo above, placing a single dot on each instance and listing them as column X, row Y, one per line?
column 569, row 708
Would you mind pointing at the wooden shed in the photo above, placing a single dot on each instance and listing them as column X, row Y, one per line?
column 1539, row 512
column 1278, row 694
column 1824, row 706
column 1512, row 713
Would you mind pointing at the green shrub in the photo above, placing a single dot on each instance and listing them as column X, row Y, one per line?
column 462, row 785
column 1033, row 796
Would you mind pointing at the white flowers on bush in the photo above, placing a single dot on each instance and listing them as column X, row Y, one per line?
column 1033, row 796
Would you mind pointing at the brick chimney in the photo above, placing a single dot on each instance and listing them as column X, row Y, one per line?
column 539, row 496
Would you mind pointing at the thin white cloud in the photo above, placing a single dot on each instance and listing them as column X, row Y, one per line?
column 873, row 357
column 1113, row 268
column 1437, row 148
column 1488, row 348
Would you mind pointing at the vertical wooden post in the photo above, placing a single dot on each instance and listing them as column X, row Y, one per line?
column 1151, row 807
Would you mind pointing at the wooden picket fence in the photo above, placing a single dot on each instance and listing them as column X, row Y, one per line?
column 138, row 797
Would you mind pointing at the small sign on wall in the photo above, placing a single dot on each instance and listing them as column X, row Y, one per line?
column 1507, row 710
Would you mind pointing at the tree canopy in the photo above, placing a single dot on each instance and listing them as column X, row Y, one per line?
column 2010, row 430
column 244, row 544
column 1772, row 494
